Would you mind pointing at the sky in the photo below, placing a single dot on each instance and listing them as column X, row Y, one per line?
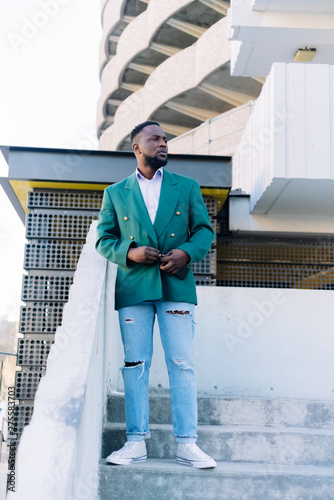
column 49, row 88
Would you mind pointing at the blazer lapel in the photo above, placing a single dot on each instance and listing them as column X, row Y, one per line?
column 169, row 195
column 135, row 201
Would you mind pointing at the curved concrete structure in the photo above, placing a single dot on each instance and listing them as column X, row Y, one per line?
column 143, row 30
column 186, row 38
column 116, row 16
column 191, row 65
column 157, row 33
column 103, row 3
column 194, row 67
column 111, row 15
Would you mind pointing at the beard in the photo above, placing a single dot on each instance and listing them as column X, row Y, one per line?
column 155, row 162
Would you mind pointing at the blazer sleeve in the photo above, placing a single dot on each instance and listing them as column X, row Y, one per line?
column 109, row 243
column 201, row 233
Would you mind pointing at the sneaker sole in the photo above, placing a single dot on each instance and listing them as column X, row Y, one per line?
column 126, row 461
column 197, row 465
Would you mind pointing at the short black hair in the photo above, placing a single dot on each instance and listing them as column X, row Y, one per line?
column 139, row 128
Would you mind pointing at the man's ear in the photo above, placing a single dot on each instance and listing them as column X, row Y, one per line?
column 136, row 149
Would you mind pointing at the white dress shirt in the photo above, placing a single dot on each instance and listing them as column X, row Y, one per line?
column 150, row 189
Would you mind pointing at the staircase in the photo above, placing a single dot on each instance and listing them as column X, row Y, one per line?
column 266, row 450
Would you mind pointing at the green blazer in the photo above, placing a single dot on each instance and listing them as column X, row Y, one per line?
column 181, row 221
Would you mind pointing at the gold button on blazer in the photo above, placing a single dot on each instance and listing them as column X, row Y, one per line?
column 192, row 233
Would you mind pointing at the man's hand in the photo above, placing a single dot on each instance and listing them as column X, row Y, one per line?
column 174, row 260
column 143, row 255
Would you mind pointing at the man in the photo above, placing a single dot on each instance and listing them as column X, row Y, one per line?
column 153, row 224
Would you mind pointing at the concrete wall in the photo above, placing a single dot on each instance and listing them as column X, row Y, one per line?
column 250, row 342
column 287, row 146
column 241, row 220
column 219, row 136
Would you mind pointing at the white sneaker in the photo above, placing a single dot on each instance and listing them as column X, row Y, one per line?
column 191, row 454
column 132, row 451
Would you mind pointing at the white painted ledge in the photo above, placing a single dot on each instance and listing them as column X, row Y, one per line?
column 192, row 65
column 285, row 158
column 59, row 450
column 293, row 6
column 266, row 35
column 242, row 220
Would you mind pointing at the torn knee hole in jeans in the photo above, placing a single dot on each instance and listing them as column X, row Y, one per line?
column 178, row 313
column 181, row 364
column 129, row 320
column 130, row 363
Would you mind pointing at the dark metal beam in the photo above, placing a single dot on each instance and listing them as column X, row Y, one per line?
column 108, row 166
column 101, row 167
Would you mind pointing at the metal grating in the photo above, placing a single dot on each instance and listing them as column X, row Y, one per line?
column 47, row 285
column 22, row 415
column 86, row 200
column 308, row 252
column 213, row 221
column 34, row 349
column 210, row 203
column 26, row 382
column 52, row 254
column 223, row 226
column 203, row 280
column 41, row 317
column 276, row 263
column 57, row 229
column 59, row 224
column 208, row 265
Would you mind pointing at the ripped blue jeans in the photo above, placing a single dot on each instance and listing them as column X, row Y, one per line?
column 176, row 325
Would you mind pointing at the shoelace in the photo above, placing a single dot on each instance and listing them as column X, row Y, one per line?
column 128, row 447
column 196, row 450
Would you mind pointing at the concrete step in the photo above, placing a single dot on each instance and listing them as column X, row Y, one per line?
column 217, row 410
column 279, row 445
column 167, row 480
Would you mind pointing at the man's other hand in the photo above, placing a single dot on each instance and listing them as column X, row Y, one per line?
column 174, row 260
column 143, row 255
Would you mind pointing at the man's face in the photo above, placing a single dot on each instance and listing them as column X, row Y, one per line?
column 151, row 144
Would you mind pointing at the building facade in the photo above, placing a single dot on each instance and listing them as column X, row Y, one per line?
column 169, row 62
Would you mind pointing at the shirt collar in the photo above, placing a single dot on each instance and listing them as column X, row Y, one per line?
column 158, row 173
